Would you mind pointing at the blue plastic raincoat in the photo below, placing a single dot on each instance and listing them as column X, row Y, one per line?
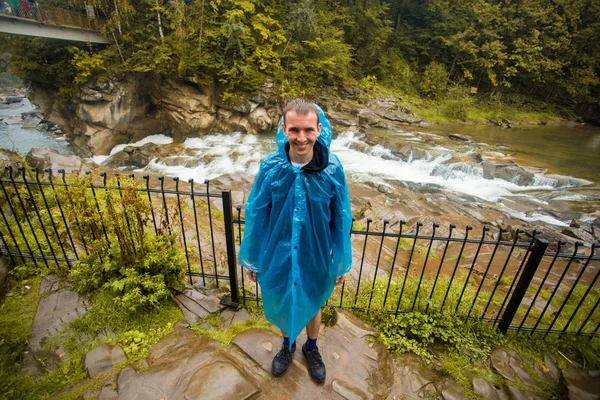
column 297, row 233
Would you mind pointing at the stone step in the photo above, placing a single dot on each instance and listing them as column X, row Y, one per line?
column 196, row 305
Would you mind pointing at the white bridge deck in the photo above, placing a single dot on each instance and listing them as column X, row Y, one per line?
column 51, row 23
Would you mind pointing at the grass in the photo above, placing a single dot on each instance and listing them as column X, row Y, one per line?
column 104, row 322
column 457, row 104
column 225, row 335
column 569, row 308
column 16, row 317
column 416, row 295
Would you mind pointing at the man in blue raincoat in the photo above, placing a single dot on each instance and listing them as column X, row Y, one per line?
column 297, row 235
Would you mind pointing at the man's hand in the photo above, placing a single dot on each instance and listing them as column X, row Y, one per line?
column 339, row 280
column 252, row 276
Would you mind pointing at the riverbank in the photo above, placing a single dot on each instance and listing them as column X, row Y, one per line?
column 460, row 105
column 383, row 145
column 124, row 108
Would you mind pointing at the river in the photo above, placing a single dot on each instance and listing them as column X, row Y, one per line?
column 14, row 137
column 562, row 158
column 562, row 149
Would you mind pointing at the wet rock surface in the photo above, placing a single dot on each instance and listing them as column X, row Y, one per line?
column 55, row 310
column 576, row 384
column 184, row 365
column 45, row 157
column 195, row 305
column 102, row 358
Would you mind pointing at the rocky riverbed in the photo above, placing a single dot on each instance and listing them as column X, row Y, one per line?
column 396, row 164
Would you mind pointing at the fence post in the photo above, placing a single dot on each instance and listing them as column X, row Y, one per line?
column 231, row 300
column 535, row 257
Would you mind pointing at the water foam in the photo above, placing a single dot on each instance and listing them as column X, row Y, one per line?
column 156, row 139
column 458, row 177
column 534, row 217
column 216, row 155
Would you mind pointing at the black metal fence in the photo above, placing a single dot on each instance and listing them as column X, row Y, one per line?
column 512, row 279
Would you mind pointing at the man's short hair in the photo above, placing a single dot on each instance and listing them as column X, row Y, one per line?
column 301, row 107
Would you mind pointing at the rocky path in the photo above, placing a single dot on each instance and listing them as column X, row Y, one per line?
column 184, row 365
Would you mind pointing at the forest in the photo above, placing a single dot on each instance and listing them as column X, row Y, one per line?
column 543, row 51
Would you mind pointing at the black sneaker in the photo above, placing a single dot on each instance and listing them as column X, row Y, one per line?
column 282, row 360
column 316, row 366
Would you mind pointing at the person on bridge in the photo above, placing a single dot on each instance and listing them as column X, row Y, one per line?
column 297, row 235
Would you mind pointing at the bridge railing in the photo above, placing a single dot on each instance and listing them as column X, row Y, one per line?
column 51, row 15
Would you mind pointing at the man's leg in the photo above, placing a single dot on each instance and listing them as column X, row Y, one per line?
column 283, row 358
column 316, row 367
column 314, row 326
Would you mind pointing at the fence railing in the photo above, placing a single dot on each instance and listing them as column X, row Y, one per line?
column 50, row 15
column 513, row 279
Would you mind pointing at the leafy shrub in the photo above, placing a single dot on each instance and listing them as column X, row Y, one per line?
column 145, row 282
column 139, row 267
column 369, row 83
column 434, row 79
column 415, row 332
column 137, row 343
column 87, row 65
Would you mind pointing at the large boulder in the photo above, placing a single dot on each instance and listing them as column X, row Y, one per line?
column 13, row 99
column 367, row 117
column 387, row 108
column 9, row 157
column 261, row 121
column 134, row 157
column 409, row 153
column 127, row 160
column 508, row 172
column 589, row 112
column 45, row 157
column 31, row 119
column 341, row 119
column 186, row 105
column 114, row 112
column 57, row 112
column 106, row 112
column 565, row 181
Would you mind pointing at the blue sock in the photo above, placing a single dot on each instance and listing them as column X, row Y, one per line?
column 286, row 343
column 311, row 344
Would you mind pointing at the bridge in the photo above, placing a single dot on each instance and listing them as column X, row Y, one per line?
column 21, row 17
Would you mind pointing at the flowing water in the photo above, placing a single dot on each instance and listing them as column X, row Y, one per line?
column 564, row 160
column 562, row 149
column 14, row 137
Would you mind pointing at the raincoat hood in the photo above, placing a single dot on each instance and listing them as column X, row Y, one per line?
column 297, row 232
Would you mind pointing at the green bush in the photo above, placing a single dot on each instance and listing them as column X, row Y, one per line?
column 125, row 256
column 415, row 332
column 433, row 82
column 144, row 283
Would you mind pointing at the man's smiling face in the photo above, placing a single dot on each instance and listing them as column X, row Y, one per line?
column 302, row 132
